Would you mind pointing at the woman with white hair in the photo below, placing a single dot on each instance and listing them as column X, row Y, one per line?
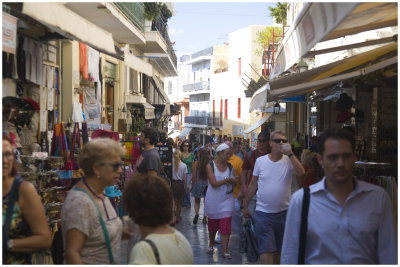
column 219, row 201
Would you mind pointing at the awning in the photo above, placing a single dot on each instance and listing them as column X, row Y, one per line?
column 160, row 89
column 71, row 25
column 149, row 113
column 185, row 132
column 137, row 64
column 317, row 78
column 325, row 21
column 258, row 123
column 174, row 134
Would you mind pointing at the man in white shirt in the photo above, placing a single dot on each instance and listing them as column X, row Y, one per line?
column 349, row 221
column 272, row 178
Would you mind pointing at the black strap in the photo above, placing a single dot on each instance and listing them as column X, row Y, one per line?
column 7, row 222
column 303, row 225
column 155, row 250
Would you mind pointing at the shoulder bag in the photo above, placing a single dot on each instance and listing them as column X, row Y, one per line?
column 155, row 250
column 303, row 225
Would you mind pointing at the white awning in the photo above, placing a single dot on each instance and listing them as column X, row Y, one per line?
column 185, row 132
column 149, row 113
column 137, row 64
column 174, row 134
column 324, row 21
column 69, row 24
column 258, row 123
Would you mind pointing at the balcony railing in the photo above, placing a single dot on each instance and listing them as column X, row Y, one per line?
column 134, row 11
column 209, row 120
column 162, row 27
column 204, row 85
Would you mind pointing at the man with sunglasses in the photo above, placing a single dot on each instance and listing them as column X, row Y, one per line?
column 272, row 179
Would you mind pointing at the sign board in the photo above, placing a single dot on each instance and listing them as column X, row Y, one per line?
column 237, row 129
column 9, row 33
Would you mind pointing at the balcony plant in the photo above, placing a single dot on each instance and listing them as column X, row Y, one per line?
column 152, row 10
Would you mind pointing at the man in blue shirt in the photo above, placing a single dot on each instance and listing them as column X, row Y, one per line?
column 349, row 221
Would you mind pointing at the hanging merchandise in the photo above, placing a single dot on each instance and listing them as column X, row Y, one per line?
column 93, row 115
column 50, row 98
column 83, row 61
column 85, row 135
column 76, row 146
column 77, row 115
column 43, row 98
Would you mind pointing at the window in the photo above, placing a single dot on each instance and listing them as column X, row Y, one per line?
column 239, row 108
column 170, row 87
column 240, row 66
column 226, row 109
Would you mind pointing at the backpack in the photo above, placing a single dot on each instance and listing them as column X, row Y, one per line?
column 228, row 163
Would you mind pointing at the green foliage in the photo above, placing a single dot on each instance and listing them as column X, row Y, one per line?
column 138, row 124
column 279, row 12
column 264, row 37
column 153, row 9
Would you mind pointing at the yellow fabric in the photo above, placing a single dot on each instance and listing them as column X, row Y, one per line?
column 173, row 249
column 237, row 168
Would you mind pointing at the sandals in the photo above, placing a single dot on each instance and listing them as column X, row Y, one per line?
column 227, row 256
column 210, row 250
column 205, row 220
column 196, row 217
column 178, row 220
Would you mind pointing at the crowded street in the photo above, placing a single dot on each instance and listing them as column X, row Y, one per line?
column 200, row 133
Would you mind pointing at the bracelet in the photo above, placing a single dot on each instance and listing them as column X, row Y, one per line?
column 291, row 154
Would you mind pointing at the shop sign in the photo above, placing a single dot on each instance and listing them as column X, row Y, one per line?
column 149, row 114
column 237, row 129
column 9, row 33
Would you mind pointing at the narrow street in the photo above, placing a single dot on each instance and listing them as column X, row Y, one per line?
column 198, row 238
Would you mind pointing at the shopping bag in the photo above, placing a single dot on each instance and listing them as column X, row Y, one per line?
column 248, row 241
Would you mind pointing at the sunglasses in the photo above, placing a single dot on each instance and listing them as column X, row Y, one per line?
column 278, row 141
column 115, row 165
column 186, row 145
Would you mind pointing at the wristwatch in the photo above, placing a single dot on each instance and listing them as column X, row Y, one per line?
column 291, row 154
column 10, row 243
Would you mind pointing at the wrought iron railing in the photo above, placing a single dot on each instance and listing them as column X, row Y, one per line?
column 162, row 27
column 134, row 11
column 204, row 85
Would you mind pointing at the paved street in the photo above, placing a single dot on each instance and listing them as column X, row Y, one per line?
column 198, row 238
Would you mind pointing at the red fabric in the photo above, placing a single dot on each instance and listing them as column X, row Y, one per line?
column 83, row 61
column 223, row 225
column 310, row 176
column 248, row 164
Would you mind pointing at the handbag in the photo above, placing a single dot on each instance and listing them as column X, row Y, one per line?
column 7, row 222
column 103, row 226
column 303, row 225
column 248, row 241
column 155, row 250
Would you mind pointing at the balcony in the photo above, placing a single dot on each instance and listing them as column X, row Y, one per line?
column 204, row 85
column 201, row 121
column 134, row 11
column 124, row 20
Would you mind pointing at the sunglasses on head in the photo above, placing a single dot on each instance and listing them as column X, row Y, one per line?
column 115, row 165
column 278, row 141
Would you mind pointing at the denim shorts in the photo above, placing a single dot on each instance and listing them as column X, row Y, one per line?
column 269, row 229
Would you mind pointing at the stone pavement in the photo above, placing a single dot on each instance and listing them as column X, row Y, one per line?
column 197, row 234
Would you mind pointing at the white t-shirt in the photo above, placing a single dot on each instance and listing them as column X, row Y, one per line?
column 182, row 170
column 274, row 183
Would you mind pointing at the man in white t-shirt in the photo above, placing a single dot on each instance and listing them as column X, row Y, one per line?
column 272, row 179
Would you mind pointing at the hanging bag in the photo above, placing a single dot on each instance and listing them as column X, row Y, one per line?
column 103, row 226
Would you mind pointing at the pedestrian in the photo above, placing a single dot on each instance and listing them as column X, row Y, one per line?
column 149, row 160
column 25, row 228
column 86, row 209
column 219, row 201
column 188, row 159
column 349, row 221
column 179, row 184
column 199, row 183
column 272, row 178
column 149, row 202
column 313, row 170
column 237, row 216
column 236, row 149
column 248, row 165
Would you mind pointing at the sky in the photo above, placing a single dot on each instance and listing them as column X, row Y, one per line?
column 199, row 25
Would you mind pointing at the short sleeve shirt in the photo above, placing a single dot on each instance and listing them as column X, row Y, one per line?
column 182, row 170
column 79, row 212
column 150, row 161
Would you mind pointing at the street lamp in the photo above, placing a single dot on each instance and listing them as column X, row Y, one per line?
column 301, row 66
column 277, row 108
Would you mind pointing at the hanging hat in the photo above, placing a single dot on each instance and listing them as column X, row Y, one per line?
column 222, row 147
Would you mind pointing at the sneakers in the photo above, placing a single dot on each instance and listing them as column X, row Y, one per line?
column 196, row 218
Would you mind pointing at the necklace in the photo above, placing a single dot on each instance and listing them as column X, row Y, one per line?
column 102, row 199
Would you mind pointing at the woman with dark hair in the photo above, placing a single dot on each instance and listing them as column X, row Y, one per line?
column 148, row 200
column 199, row 183
column 27, row 226
column 188, row 159
column 91, row 228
